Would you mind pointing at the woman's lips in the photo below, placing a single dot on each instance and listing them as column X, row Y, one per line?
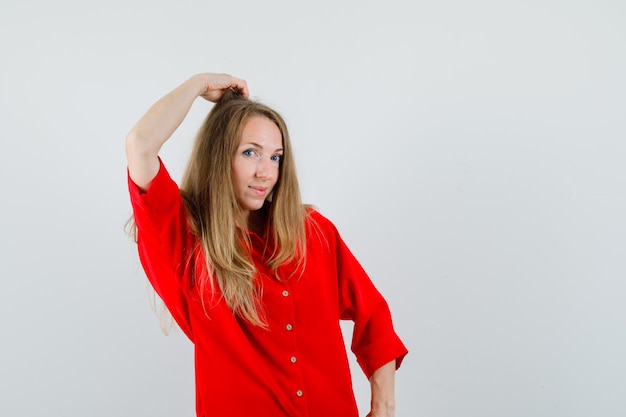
column 260, row 191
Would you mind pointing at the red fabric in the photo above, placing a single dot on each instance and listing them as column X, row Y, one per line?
column 296, row 367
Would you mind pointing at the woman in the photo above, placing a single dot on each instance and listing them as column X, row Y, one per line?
column 256, row 280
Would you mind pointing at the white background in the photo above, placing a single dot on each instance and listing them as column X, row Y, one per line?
column 472, row 154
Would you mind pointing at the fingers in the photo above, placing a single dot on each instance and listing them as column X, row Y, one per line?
column 240, row 85
column 214, row 86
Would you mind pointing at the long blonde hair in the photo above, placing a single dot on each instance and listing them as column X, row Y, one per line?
column 213, row 210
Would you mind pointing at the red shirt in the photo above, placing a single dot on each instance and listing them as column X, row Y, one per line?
column 297, row 366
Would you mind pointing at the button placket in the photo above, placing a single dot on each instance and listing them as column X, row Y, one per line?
column 289, row 327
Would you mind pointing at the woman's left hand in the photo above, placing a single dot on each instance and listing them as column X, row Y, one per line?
column 381, row 413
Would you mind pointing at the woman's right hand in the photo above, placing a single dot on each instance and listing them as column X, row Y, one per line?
column 215, row 85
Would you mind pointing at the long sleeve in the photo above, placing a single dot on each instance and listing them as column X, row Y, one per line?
column 164, row 242
column 374, row 340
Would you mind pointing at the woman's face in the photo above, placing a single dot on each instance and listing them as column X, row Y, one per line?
column 256, row 164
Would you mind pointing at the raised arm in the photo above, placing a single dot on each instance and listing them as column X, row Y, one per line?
column 146, row 138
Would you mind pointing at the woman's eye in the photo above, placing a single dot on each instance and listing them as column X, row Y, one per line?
column 276, row 158
column 249, row 152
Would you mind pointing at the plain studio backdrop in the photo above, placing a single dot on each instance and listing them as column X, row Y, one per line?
column 472, row 154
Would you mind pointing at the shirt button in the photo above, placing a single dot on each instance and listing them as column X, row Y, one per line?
column 299, row 393
column 289, row 327
column 285, row 293
column 293, row 359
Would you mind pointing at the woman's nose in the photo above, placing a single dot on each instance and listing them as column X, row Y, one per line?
column 264, row 168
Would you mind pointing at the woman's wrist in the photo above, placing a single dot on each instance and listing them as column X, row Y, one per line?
column 383, row 391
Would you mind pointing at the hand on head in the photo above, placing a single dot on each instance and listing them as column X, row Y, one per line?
column 215, row 85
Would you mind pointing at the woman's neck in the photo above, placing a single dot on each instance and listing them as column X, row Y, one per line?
column 257, row 221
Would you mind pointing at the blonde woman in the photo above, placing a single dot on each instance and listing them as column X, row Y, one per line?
column 256, row 280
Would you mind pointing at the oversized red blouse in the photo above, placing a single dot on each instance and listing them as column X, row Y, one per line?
column 298, row 365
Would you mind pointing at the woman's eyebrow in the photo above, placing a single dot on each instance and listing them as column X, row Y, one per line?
column 256, row 145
